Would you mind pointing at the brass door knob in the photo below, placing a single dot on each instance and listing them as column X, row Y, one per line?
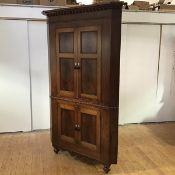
column 76, row 65
column 77, row 127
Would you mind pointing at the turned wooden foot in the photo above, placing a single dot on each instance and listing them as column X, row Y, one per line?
column 106, row 168
column 56, row 150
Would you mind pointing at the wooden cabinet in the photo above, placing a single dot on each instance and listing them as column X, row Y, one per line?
column 84, row 76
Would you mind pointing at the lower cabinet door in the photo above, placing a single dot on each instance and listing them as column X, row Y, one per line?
column 79, row 129
column 89, row 123
column 67, row 118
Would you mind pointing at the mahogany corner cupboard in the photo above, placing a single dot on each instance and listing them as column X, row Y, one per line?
column 84, row 54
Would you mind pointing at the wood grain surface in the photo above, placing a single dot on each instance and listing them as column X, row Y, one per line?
column 143, row 150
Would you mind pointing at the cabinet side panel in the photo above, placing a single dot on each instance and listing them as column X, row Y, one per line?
column 105, row 61
column 114, row 82
column 115, row 57
column 54, row 123
column 53, row 87
column 105, row 137
column 113, row 150
column 52, row 60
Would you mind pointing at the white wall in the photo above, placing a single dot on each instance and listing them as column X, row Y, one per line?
column 147, row 79
column 24, row 81
column 39, row 74
column 25, row 12
column 14, row 77
column 146, row 94
column 138, row 78
column 166, row 86
column 24, row 84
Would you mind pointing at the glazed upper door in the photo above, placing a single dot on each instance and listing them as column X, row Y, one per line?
column 66, row 57
column 89, row 123
column 78, row 62
column 89, row 55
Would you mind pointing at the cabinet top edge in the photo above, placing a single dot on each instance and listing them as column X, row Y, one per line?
column 84, row 9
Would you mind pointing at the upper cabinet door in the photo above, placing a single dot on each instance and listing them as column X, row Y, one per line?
column 66, row 58
column 89, row 55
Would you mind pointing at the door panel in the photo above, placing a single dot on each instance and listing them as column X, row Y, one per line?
column 89, row 121
column 67, row 122
column 66, row 42
column 89, row 55
column 89, row 42
column 89, row 76
column 66, row 74
column 66, row 58
column 67, row 118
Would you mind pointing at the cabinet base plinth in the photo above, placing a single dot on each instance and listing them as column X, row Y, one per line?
column 56, row 150
column 106, row 168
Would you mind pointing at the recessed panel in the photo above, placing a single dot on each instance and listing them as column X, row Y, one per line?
column 89, row 76
column 88, row 128
column 67, row 74
column 66, row 42
column 89, row 42
column 67, row 122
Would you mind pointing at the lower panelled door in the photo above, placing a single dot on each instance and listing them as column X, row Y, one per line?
column 89, row 124
column 79, row 129
column 67, row 119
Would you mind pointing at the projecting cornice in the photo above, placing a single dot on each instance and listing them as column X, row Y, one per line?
column 84, row 9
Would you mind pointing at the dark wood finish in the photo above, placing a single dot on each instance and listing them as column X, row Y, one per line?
column 66, row 42
column 89, row 57
column 66, row 58
column 67, row 121
column 89, row 121
column 84, row 9
column 84, row 57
